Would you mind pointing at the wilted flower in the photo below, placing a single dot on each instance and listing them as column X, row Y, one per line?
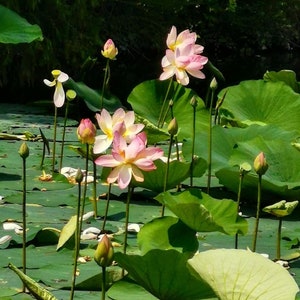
column 260, row 164
column 128, row 160
column 24, row 150
column 104, row 253
column 121, row 121
column 59, row 94
column 109, row 51
column 86, row 132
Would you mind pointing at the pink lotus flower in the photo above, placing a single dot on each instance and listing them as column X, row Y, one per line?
column 182, row 40
column 121, row 121
column 109, row 51
column 128, row 160
column 86, row 132
column 181, row 62
column 59, row 94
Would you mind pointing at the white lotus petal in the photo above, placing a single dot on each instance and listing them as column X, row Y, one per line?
column 19, row 231
column 88, row 215
column 88, row 236
column 89, row 179
column 4, row 239
column 133, row 227
column 11, row 226
column 94, row 230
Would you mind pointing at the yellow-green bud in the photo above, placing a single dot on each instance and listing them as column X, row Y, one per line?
column 173, row 127
column 79, row 176
column 104, row 253
column 171, row 103
column 55, row 73
column 71, row 95
column 213, row 84
column 194, row 101
column 260, row 164
column 24, row 151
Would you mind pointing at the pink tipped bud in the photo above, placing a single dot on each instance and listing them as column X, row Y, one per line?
column 86, row 132
column 104, row 253
column 109, row 51
column 260, row 164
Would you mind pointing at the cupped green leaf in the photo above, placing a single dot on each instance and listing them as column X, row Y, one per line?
column 15, row 29
column 67, row 232
column 262, row 103
column 167, row 233
column 281, row 208
column 286, row 76
column 165, row 275
column 203, row 213
column 92, row 97
column 241, row 274
column 147, row 99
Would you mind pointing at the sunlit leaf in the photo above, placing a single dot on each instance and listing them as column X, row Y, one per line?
column 281, row 208
column 241, row 274
column 67, row 232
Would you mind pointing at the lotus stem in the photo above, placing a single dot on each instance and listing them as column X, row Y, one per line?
column 105, row 81
column 103, row 288
column 193, row 145
column 238, row 204
column 24, row 263
column 278, row 254
column 257, row 213
column 162, row 115
column 209, row 160
column 54, row 139
column 129, row 195
column 63, row 136
column 107, row 207
column 95, row 191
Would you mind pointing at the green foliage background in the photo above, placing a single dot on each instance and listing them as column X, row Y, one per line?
column 74, row 32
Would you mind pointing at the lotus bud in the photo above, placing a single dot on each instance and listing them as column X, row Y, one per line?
column 260, row 164
column 24, row 151
column 194, row 101
column 171, row 103
column 71, row 95
column 173, row 127
column 79, row 176
column 213, row 84
column 109, row 51
column 86, row 132
column 104, row 253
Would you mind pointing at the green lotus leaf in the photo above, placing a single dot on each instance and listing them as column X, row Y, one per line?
column 203, row 213
column 92, row 97
column 262, row 103
column 287, row 76
column 241, row 274
column 178, row 172
column 281, row 208
column 67, row 232
column 147, row 98
column 165, row 275
column 167, row 233
column 15, row 29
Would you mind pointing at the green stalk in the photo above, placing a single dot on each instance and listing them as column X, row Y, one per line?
column 95, row 191
column 105, row 81
column 257, row 213
column 63, row 136
column 193, row 145
column 278, row 239
column 54, row 139
column 106, row 208
column 162, row 114
column 103, row 288
column 24, row 220
column 238, row 204
column 77, row 242
column 129, row 194
column 167, row 172
column 209, row 160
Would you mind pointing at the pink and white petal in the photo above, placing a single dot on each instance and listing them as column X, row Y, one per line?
column 49, row 83
column 129, row 118
column 172, row 36
column 196, row 73
column 59, row 95
column 168, row 73
column 152, row 153
column 119, row 142
column 102, row 143
column 106, row 161
column 113, row 175
column 118, row 116
column 198, row 49
column 104, row 121
column 62, row 77
column 137, row 174
column 145, row 164
column 125, row 175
